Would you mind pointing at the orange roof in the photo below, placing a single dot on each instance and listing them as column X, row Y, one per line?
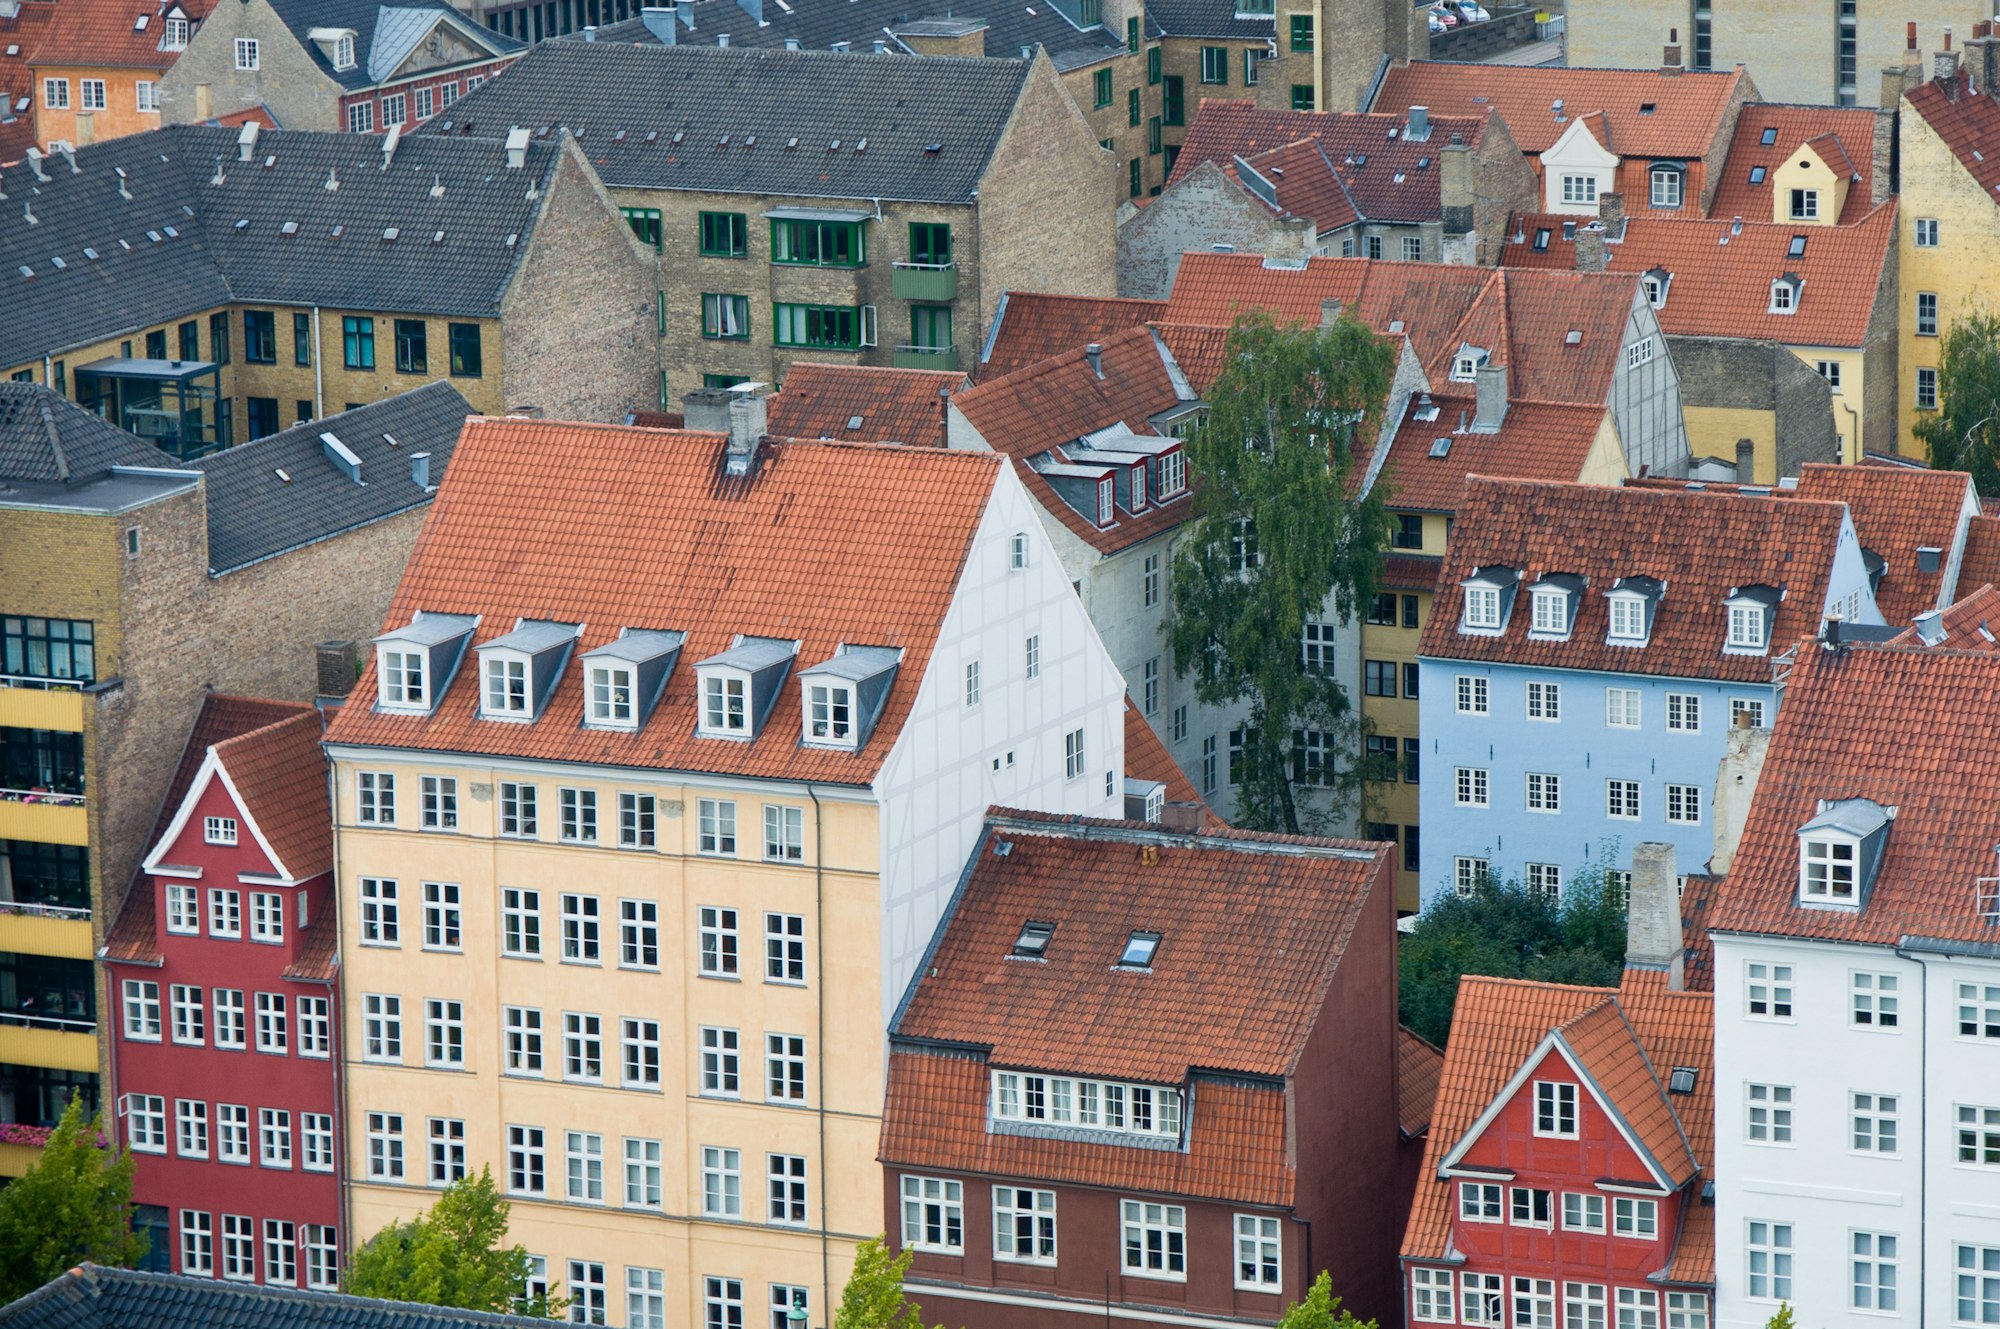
column 1967, row 626
column 279, row 775
column 1700, row 545
column 1147, row 758
column 1419, row 1069
column 1523, row 319
column 1843, row 136
column 114, row 34
column 1033, row 325
column 863, row 403
column 1982, row 552
column 824, row 543
column 1300, row 181
column 1898, row 510
column 1250, row 939
column 1536, row 441
column 1721, row 274
column 19, row 36
column 1910, row 729
column 1648, row 113
column 1198, row 349
column 1969, row 124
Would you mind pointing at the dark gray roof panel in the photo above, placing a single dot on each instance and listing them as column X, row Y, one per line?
column 383, row 33
column 46, row 439
column 91, row 1297
column 202, row 228
column 253, row 513
column 627, row 103
column 1207, row 18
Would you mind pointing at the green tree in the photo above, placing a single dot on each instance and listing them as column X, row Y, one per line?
column 1321, row 1310
column 1277, row 533
column 451, row 1256
column 873, row 1297
column 74, row 1204
column 1506, row 931
column 1963, row 434
column 1783, row 1319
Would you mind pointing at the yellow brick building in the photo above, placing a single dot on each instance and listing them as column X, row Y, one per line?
column 634, row 869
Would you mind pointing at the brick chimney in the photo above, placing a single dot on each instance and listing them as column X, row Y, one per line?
column 1489, row 405
column 1611, row 210
column 336, row 668
column 1982, row 57
column 1455, row 185
column 1670, row 57
column 1329, row 313
column 1944, row 64
column 1590, row 256
column 1653, row 915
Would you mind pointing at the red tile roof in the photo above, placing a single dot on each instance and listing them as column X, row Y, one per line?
column 1034, row 325
column 826, row 543
column 1056, row 401
column 1721, row 274
column 1536, row 441
column 1419, row 1070
column 1253, row 927
column 1850, row 129
column 1969, row 125
column 1302, row 182
column 1982, row 552
column 1968, row 625
column 279, row 774
column 1701, row 545
column 19, row 36
column 1398, row 181
column 1523, row 319
column 1147, row 758
column 1409, row 572
column 106, row 34
column 1697, row 899
column 1898, row 510
column 1686, row 112
column 892, row 405
column 1198, row 349
column 1909, row 728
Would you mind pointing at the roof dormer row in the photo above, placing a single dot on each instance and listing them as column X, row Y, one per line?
column 1632, row 607
column 1114, row 471
column 625, row 678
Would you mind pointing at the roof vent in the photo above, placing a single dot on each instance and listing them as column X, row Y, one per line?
column 390, row 141
column 284, row 476
column 517, row 148
column 1930, row 627
column 420, row 471
column 437, row 186
column 341, row 456
column 933, row 147
column 123, row 192
column 1094, row 353
column 1929, row 558
column 792, row 44
column 332, row 180
column 391, row 232
column 246, row 141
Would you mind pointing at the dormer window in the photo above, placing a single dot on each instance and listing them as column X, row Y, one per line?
column 1138, row 476
column 403, row 679
column 1107, row 500
column 343, row 53
column 174, row 35
column 830, row 713
column 739, row 686
column 1173, row 474
column 1631, row 603
column 1827, row 869
column 623, row 678
column 1785, row 294
column 1465, row 365
column 1482, row 607
column 1489, row 593
column 1839, row 850
column 414, row 664
column 1553, row 605
column 842, row 696
column 1656, row 281
column 725, row 707
column 518, row 671
column 1628, row 618
column 610, row 692
column 506, row 686
column 1746, row 627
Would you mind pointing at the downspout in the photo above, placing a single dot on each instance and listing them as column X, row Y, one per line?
column 319, row 398
column 338, row 1023
column 1320, row 54
column 1923, row 1098
column 819, row 1052
column 1855, row 416
column 49, row 372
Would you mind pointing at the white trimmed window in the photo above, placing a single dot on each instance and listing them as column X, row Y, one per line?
column 197, row 1243
column 218, row 830
column 580, row 928
column 1534, row 1303
column 225, row 913
column 1747, row 628
column 189, row 1006
column 784, row 1068
column 1827, row 869
column 725, row 705
column 610, row 691
column 1767, row 990
column 1555, row 1109
column 523, row 1038
column 785, row 1189
column 1484, row 1299
column 1683, row 713
column 717, row 930
column 274, row 1137
column 1621, row 799
column 239, row 1248
column 375, row 798
column 1583, row 1211
column 381, row 1027
column 1073, row 754
column 55, row 94
column 1472, row 695
column 146, row 1123
column 402, row 679
column 1155, row 1239
column 1633, row 1217
column 1469, row 783
column 1544, row 792
column 437, row 799
column 246, row 53
column 267, row 916
column 183, row 909
column 1979, row 1010
column 442, row 919
column 1024, row 1225
column 1579, row 189
column 1545, row 880
column 1684, row 804
column 583, row 1158
column 1017, row 551
column 718, row 826
column 1259, row 1262
column 1482, row 608
column 830, row 708
column 1628, row 618
column 1978, row 1135
column 1874, row 1123
column 784, row 834
column 1639, row 353
column 638, row 934
column 1431, row 1296
column 229, row 1018
column 721, row 1062
column 1638, row 1308
column 1621, row 708
column 1770, row 1260
column 1584, row 1305
column 315, row 1027
column 583, row 1047
column 643, row 1169
column 142, row 1010
column 316, row 1141
column 1530, row 1206
column 578, row 808
column 1874, row 1000
column 385, row 1145
column 190, row 1128
column 527, row 1160
column 1479, row 1202
column 444, row 1034
column 639, row 1053
column 517, row 810
column 272, row 1020
column 1872, row 1260
column 1469, row 874
column 379, row 912
column 1768, row 1113
column 1545, row 702
column 1551, row 613
column 520, row 923
column 784, row 948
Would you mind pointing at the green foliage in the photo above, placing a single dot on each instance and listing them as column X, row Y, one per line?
column 1783, row 1319
column 1963, row 434
column 873, row 1297
column 1321, row 1310
column 451, row 1256
column 74, row 1204
column 1274, row 463
column 1504, row 931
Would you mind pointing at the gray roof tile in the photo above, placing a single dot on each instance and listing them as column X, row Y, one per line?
column 48, row 440
column 384, row 34
column 629, row 104
column 92, row 1297
column 1207, row 18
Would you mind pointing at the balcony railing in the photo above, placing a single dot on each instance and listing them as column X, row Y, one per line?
column 1986, row 898
column 36, row 909
column 52, row 797
column 930, row 283
column 52, row 684
column 66, row 1023
column 924, row 357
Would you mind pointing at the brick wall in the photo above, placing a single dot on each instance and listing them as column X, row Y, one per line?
column 1502, row 184
column 1757, row 390
column 1203, row 209
column 1114, row 121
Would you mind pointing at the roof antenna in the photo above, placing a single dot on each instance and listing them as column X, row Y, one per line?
column 332, row 180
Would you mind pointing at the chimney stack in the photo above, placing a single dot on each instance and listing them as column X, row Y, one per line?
column 1944, row 65
column 659, row 21
column 1490, row 399
column 1095, row 354
column 1590, row 255
column 748, row 415
column 1670, row 57
column 246, row 141
column 336, row 661
column 1982, row 57
column 1455, row 185
column 1611, row 210
column 706, row 410
column 517, row 148
column 1653, row 915
column 1420, row 123
column 1329, row 312
column 1930, row 626
column 1746, row 461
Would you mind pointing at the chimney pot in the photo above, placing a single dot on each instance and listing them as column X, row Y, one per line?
column 336, row 668
column 1746, row 461
column 660, row 21
column 1490, row 398
column 1329, row 313
column 1420, row 123
column 1094, row 353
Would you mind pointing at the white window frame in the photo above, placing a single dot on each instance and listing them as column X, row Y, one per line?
column 1874, row 1000
column 829, row 712
column 721, row 1181
column 1154, row 1240
column 1768, row 1113
column 1767, row 990
column 1481, row 1202
column 1557, row 1109
column 1544, row 702
column 1473, row 695
column 1622, row 799
column 1582, row 1211
column 720, row 951
column 520, row 923
column 1628, row 619
column 1432, row 1296
column 1024, row 1225
column 384, row 1134
column 612, row 693
column 1829, row 870
column 1260, row 1249
column 1633, row 1216
column 1471, row 786
column 381, row 1026
column 402, row 679
column 784, row 833
column 1482, row 609
column 725, row 705
column 933, row 1214
column 141, row 1006
column 246, row 53
column 1768, row 1278
column 716, row 832
column 1684, row 804
column 721, row 1052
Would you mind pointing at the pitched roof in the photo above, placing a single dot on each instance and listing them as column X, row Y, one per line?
column 115, row 34
column 1647, row 113
column 1369, row 165
column 1198, row 349
column 279, row 774
column 1968, row 625
column 1523, row 319
column 93, row 1297
column 823, row 543
column 1057, row 401
column 1536, row 441
column 863, row 403
column 1252, row 928
column 184, row 242
column 20, row 33
column 1034, row 325
column 1419, row 1070
column 1721, row 273
column 1701, row 545
column 1898, row 510
column 721, row 119
column 1206, row 18
column 1981, row 562
column 862, row 23
column 1843, row 136
column 279, row 492
column 385, row 35
column 46, row 439
column 1627, row 1039
column 1969, row 125
column 1147, row 758
column 1297, row 179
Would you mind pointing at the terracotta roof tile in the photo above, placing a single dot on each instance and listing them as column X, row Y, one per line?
column 1968, row 625
column 1419, row 1069
column 1034, row 325
column 935, row 1116
column 1911, row 729
column 1147, row 758
column 318, row 958
column 19, row 36
column 279, row 773
column 1697, row 902
column 1608, row 1046
column 1523, row 318
column 1198, row 349
column 1409, row 572
column 1536, row 441
column 1250, row 940
column 1301, row 181
column 893, row 405
column 1844, row 136
column 824, row 543
column 1981, row 562
column 1968, row 123
column 106, row 34
column 1701, row 545
column 1721, row 276
column 1685, row 116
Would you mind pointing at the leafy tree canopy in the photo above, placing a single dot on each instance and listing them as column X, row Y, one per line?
column 451, row 1256
column 74, row 1204
column 1963, row 434
column 873, row 1297
column 1321, row 1310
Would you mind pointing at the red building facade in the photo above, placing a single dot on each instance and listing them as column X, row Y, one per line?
column 1150, row 1076
column 226, row 1052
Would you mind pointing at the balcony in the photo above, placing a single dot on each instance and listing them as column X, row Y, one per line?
column 44, row 929
column 924, row 357
column 70, row 1046
column 927, row 283
column 41, row 703
column 43, row 816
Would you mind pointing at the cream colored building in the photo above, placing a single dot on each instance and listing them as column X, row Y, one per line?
column 646, row 816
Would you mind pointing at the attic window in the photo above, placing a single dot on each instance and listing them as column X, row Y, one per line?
column 1797, row 248
column 1682, row 1079
column 1757, row 175
column 1033, row 943
column 1551, row 616
column 1749, row 626
column 1628, row 618
column 1542, row 240
column 506, row 685
column 1827, row 869
column 725, row 705
column 1139, row 950
column 1482, row 608
column 1647, row 108
column 1784, row 295
column 610, row 694
column 403, row 678
column 1769, row 136
column 830, row 713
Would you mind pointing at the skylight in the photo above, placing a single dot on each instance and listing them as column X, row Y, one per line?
column 1139, row 950
column 1769, row 136
column 1033, row 943
column 1682, row 1080
column 1756, row 175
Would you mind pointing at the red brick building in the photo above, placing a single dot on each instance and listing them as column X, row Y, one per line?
column 222, row 970
column 1151, row 1076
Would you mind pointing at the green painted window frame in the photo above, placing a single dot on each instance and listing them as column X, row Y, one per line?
column 302, row 345
column 711, row 316
column 806, row 244
column 723, row 380
column 930, row 244
column 725, row 235
column 1302, row 32
column 1173, row 99
column 1100, row 84
column 1137, row 173
column 357, row 342
column 925, row 323
column 1302, row 96
column 1090, row 13
column 1215, row 66
column 645, row 223
column 819, row 327
column 1133, row 115
column 1153, row 141
column 1132, row 35
column 1252, row 58
column 467, row 356
column 1153, row 66
column 413, row 346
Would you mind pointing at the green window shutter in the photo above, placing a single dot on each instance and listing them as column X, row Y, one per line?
column 1101, row 82
column 1302, row 32
column 1153, row 65
column 1302, row 96
column 1135, row 172
column 1132, row 35
column 1132, row 115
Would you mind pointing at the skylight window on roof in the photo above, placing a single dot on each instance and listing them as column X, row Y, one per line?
column 1681, row 1080
column 1541, row 240
column 1756, row 175
column 1797, row 248
column 1033, row 943
column 1769, row 136
column 1139, row 950
column 1647, row 108
column 1440, row 447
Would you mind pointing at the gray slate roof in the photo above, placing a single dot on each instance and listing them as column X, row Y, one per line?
column 384, row 34
column 1206, row 18
column 47, row 439
column 92, row 1297
column 176, row 246
column 626, row 103
column 818, row 24
column 253, row 514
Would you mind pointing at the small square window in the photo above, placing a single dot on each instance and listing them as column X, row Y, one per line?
column 1139, row 950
